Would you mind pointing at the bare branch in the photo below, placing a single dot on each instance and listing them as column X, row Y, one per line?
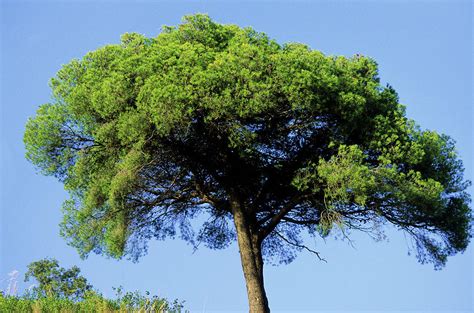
column 300, row 222
column 295, row 244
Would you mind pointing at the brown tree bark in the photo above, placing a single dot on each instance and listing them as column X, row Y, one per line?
column 251, row 259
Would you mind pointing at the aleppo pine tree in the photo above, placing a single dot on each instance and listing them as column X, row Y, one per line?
column 268, row 141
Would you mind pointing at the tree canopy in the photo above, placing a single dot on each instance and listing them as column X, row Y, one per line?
column 56, row 281
column 216, row 119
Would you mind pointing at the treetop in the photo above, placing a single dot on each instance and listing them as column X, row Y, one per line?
column 151, row 132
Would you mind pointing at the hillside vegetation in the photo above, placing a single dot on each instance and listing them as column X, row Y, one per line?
column 61, row 290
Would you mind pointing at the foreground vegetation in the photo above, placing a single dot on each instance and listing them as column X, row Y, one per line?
column 92, row 302
column 65, row 290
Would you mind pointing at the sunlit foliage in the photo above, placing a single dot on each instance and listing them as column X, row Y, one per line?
column 151, row 132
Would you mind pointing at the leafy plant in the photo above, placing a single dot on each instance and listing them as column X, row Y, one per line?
column 64, row 290
column 56, row 281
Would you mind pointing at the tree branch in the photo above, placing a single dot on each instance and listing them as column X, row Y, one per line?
column 300, row 222
column 300, row 246
column 265, row 231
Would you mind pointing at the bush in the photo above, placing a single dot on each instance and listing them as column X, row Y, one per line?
column 62, row 290
column 92, row 302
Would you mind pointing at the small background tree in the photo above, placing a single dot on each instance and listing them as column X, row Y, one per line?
column 268, row 141
column 56, row 281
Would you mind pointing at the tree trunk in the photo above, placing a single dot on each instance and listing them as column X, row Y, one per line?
column 251, row 259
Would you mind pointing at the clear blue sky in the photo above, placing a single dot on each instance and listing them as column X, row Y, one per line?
column 424, row 50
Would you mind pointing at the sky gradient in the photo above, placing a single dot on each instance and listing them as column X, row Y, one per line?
column 424, row 50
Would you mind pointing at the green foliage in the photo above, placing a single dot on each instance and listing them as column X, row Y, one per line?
column 148, row 133
column 55, row 281
column 64, row 290
column 92, row 302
